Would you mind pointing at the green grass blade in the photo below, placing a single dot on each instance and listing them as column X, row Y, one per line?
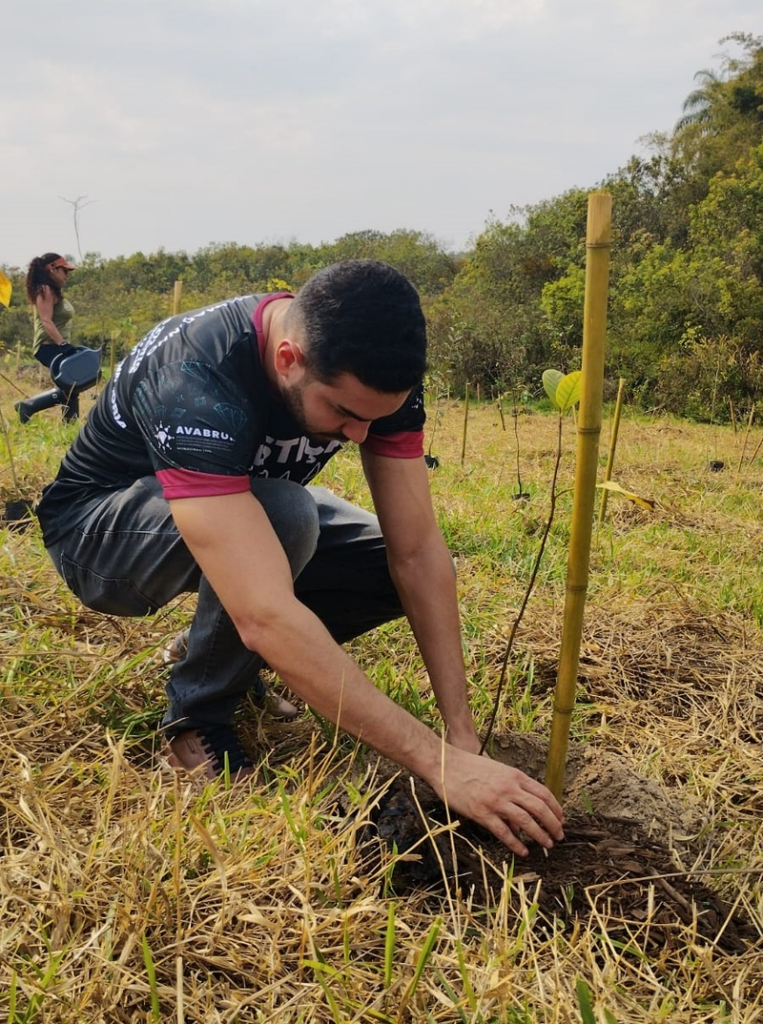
column 389, row 946
column 148, row 961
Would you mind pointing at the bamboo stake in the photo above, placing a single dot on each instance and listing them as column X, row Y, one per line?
column 755, row 453
column 746, row 436
column 466, row 421
column 598, row 244
column 733, row 415
column 177, row 296
column 612, row 447
column 6, row 437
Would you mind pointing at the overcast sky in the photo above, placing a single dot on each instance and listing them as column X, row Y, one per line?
column 249, row 121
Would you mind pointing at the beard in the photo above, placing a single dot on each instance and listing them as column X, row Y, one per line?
column 293, row 399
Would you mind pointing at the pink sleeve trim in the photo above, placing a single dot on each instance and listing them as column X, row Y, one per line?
column 405, row 444
column 184, row 483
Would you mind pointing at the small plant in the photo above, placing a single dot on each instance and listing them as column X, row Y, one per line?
column 564, row 392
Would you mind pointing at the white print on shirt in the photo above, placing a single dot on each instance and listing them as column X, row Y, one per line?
column 156, row 338
column 284, row 451
column 113, row 397
column 162, row 436
column 213, row 435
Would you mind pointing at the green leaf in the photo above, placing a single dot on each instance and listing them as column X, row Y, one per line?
column 426, row 952
column 568, row 390
column 584, row 1002
column 551, row 380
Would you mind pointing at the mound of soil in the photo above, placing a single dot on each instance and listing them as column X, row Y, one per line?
column 618, row 859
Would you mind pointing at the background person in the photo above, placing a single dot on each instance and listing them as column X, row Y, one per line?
column 190, row 474
column 53, row 313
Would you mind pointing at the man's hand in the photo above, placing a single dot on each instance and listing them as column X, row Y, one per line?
column 502, row 799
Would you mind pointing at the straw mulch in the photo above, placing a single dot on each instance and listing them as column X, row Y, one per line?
column 328, row 889
column 139, row 896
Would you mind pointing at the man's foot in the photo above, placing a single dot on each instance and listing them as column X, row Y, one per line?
column 267, row 701
column 211, row 752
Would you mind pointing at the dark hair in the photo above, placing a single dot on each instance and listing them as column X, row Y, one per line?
column 362, row 317
column 38, row 274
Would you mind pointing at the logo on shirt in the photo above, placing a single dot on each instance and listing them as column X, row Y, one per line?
column 212, row 435
column 162, row 437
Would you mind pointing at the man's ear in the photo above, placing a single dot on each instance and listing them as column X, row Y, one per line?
column 289, row 358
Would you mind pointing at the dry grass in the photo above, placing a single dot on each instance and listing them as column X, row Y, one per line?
column 128, row 895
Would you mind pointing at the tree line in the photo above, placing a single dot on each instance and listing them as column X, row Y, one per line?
column 686, row 288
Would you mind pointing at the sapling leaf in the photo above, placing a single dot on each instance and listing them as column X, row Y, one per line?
column 551, row 380
column 568, row 390
column 584, row 1002
column 648, row 503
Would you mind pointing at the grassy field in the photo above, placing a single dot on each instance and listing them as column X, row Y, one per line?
column 131, row 895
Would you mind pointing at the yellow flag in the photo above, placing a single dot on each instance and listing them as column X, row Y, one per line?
column 5, row 289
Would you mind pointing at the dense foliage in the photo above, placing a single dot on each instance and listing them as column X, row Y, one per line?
column 686, row 298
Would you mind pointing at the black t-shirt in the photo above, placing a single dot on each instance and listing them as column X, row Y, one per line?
column 192, row 405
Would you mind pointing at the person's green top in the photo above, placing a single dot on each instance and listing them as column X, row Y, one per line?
column 63, row 311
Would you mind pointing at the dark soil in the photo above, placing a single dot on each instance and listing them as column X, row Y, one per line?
column 606, row 864
column 616, row 863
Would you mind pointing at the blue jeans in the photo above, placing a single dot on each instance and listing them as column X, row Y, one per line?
column 126, row 557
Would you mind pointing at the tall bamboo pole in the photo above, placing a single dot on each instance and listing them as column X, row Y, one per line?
column 612, row 447
column 598, row 244
column 177, row 296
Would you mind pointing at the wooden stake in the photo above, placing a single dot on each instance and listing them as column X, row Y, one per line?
column 598, row 244
column 746, row 436
column 612, row 447
column 755, row 453
column 466, row 421
column 177, row 296
column 6, row 436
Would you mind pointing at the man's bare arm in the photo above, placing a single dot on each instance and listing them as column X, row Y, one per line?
column 249, row 572
column 423, row 571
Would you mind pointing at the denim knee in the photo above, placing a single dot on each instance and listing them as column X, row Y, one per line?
column 294, row 517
